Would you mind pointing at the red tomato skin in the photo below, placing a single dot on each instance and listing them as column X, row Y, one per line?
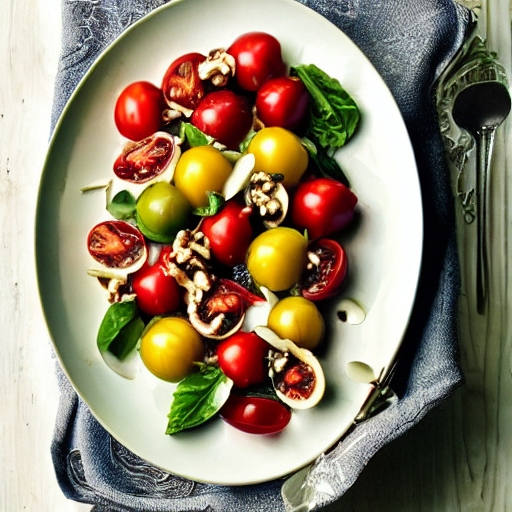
column 338, row 271
column 181, row 82
column 283, row 102
column 323, row 206
column 138, row 110
column 225, row 116
column 242, row 357
column 157, row 291
column 255, row 415
column 258, row 58
column 116, row 244
column 229, row 232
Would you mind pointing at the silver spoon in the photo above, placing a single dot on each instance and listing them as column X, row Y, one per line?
column 480, row 108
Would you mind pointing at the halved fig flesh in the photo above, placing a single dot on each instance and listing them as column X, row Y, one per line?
column 296, row 374
column 221, row 311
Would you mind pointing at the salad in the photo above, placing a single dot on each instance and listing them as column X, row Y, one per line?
column 219, row 245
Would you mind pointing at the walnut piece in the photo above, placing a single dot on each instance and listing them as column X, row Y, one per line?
column 218, row 67
column 269, row 197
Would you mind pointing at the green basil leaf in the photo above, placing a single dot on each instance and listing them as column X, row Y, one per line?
column 198, row 397
column 324, row 162
column 215, row 203
column 194, row 136
column 328, row 166
column 334, row 114
column 120, row 329
column 127, row 339
column 122, row 206
column 247, row 140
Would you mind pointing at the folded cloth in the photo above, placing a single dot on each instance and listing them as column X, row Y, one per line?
column 410, row 42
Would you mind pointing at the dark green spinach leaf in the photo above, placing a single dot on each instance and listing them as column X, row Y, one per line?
column 334, row 114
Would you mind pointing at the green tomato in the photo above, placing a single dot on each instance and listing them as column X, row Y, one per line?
column 162, row 211
column 297, row 319
column 276, row 258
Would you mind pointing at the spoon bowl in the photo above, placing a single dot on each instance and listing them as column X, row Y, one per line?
column 480, row 108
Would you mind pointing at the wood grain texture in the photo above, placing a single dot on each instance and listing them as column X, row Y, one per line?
column 29, row 51
column 459, row 458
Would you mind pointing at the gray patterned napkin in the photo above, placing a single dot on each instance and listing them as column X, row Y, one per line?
column 409, row 42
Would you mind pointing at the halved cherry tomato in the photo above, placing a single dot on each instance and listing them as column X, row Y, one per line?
column 258, row 58
column 323, row 206
column 145, row 159
column 181, row 83
column 324, row 276
column 229, row 232
column 116, row 244
column 157, row 291
column 283, row 101
column 138, row 110
column 242, row 357
column 225, row 116
column 255, row 415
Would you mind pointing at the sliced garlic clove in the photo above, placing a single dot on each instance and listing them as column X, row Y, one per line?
column 239, row 177
column 270, row 296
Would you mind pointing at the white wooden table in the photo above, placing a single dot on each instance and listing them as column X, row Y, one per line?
column 458, row 458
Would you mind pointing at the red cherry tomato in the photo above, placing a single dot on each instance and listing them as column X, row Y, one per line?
column 242, row 357
column 181, row 83
column 157, row 291
column 258, row 58
column 145, row 159
column 116, row 244
column 325, row 278
column 284, row 102
column 138, row 110
column 323, row 206
column 225, row 116
column 229, row 232
column 255, row 415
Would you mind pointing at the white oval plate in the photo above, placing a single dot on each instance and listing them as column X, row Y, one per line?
column 384, row 250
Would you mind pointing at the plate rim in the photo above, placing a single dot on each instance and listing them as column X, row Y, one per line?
column 53, row 141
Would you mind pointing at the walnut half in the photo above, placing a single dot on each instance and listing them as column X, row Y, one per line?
column 269, row 197
column 218, row 67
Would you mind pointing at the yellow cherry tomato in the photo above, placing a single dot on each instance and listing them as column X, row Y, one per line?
column 169, row 348
column 279, row 151
column 297, row 319
column 276, row 258
column 199, row 170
